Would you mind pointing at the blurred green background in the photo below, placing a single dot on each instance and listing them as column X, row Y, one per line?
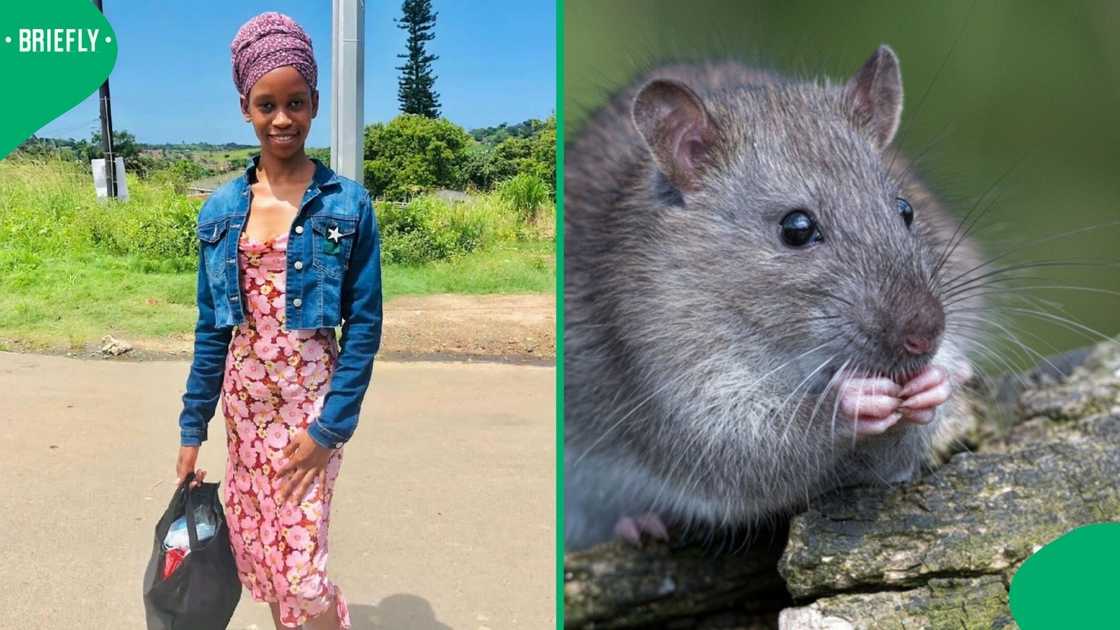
column 1026, row 99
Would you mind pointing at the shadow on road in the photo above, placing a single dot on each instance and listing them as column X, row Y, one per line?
column 396, row 612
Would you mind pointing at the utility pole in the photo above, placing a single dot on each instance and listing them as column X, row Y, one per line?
column 347, row 87
column 107, row 132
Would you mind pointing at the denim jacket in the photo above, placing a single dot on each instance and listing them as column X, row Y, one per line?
column 333, row 277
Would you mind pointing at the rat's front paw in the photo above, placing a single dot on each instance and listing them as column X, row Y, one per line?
column 631, row 528
column 922, row 394
column 871, row 404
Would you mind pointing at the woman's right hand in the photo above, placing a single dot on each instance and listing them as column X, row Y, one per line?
column 188, row 456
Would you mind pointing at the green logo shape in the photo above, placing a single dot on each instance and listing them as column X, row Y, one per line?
column 54, row 54
column 1071, row 582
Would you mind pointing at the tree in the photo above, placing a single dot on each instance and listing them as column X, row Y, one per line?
column 411, row 154
column 504, row 151
column 414, row 88
column 124, row 145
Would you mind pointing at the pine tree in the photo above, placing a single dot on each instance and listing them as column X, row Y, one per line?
column 414, row 88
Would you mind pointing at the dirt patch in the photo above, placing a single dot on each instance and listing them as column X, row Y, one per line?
column 510, row 327
column 505, row 328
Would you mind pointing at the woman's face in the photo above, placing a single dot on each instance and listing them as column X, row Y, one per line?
column 280, row 106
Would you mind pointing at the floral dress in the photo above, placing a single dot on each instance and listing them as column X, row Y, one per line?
column 274, row 385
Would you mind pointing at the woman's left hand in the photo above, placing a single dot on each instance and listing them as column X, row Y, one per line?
column 306, row 462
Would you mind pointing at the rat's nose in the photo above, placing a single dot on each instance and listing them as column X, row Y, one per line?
column 917, row 344
column 922, row 325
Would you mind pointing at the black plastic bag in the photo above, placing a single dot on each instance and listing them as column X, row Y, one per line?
column 203, row 591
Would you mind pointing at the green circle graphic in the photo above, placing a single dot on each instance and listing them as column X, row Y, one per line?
column 1071, row 582
column 54, row 55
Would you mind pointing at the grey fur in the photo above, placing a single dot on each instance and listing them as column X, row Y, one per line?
column 683, row 306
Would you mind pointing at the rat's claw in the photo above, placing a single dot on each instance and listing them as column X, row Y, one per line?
column 923, row 393
column 929, row 377
column 627, row 529
column 930, row 388
column 867, row 407
column 652, row 525
column 875, row 427
column 870, row 403
column 872, row 386
column 919, row 416
column 631, row 529
column 868, row 398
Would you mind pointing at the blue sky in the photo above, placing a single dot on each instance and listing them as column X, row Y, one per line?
column 173, row 81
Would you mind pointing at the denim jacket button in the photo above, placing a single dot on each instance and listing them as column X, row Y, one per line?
column 338, row 445
column 299, row 229
column 298, row 265
column 297, row 302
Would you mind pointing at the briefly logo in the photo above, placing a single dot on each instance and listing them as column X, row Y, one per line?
column 60, row 52
column 58, row 40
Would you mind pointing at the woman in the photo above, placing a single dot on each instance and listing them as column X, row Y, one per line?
column 288, row 251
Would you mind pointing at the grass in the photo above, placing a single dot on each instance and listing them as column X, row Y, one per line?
column 49, row 209
column 76, row 300
column 73, row 269
column 505, row 268
column 71, row 302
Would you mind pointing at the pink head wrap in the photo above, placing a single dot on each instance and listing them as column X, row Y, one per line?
column 269, row 41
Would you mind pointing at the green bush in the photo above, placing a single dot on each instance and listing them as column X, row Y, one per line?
column 525, row 193
column 480, row 169
column 161, row 232
column 178, row 174
column 50, row 208
column 530, row 149
column 321, row 154
column 411, row 154
column 428, row 229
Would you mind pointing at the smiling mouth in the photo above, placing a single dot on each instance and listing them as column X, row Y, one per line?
column 283, row 138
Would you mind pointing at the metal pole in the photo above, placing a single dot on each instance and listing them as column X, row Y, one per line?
column 347, row 86
column 107, row 133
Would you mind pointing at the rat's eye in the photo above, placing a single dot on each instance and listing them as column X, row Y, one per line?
column 799, row 229
column 905, row 210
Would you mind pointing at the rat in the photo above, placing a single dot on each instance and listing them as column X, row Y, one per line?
column 762, row 301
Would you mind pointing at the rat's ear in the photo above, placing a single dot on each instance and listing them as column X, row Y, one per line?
column 875, row 96
column 675, row 124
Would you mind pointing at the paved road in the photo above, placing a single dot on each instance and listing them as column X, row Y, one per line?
column 444, row 514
